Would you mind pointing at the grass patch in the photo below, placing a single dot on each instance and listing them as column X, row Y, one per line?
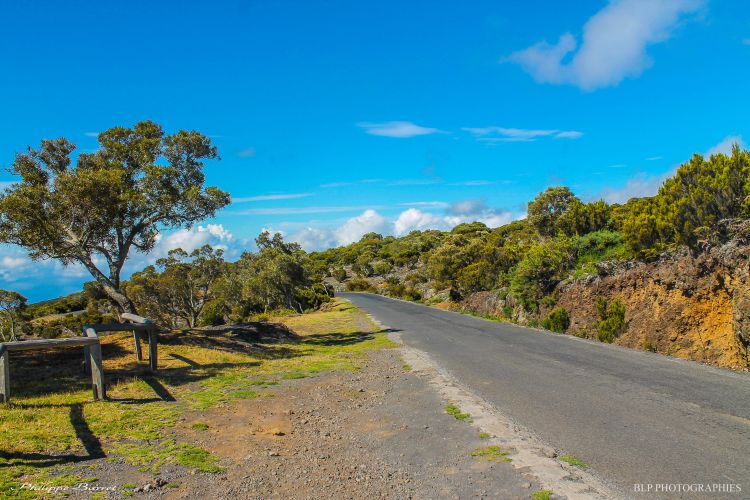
column 406, row 367
column 200, row 426
column 456, row 413
column 491, row 454
column 484, row 435
column 575, row 462
column 52, row 416
column 541, row 495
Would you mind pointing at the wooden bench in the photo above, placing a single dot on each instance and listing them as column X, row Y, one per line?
column 91, row 346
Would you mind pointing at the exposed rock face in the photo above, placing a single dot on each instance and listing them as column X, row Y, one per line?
column 692, row 307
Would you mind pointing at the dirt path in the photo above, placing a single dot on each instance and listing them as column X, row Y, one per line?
column 377, row 432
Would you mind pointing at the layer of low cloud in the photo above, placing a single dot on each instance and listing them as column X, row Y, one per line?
column 411, row 219
column 49, row 278
column 614, row 46
column 397, row 129
column 504, row 134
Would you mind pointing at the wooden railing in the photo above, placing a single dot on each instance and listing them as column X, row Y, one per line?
column 92, row 349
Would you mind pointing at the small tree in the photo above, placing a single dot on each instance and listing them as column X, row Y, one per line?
column 11, row 304
column 548, row 206
column 139, row 182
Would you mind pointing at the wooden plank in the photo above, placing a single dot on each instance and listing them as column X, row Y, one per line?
column 4, row 375
column 27, row 345
column 153, row 349
column 86, row 360
column 119, row 327
column 97, row 369
column 135, row 318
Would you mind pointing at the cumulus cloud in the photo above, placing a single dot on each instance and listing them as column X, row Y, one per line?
column 369, row 222
column 725, row 146
column 614, row 46
column 411, row 219
column 504, row 134
column 397, row 129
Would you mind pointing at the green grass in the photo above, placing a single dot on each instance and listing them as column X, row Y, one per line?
column 198, row 370
column 491, row 454
column 541, row 495
column 484, row 435
column 576, row 462
column 456, row 413
column 200, row 426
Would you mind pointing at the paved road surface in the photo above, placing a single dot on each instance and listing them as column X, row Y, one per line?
column 634, row 417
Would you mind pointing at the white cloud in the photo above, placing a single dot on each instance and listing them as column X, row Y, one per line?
column 91, row 134
column 636, row 187
column 653, row 158
column 352, row 230
column 318, row 238
column 397, row 129
column 504, row 134
column 5, row 184
column 725, row 146
column 746, row 41
column 614, row 44
column 267, row 197
column 415, row 219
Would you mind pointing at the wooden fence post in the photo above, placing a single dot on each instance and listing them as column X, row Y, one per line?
column 153, row 354
column 4, row 375
column 137, row 340
column 97, row 370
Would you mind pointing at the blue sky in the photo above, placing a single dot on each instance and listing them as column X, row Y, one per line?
column 336, row 118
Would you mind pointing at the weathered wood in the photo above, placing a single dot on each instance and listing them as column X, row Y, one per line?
column 134, row 318
column 137, row 340
column 119, row 327
column 153, row 354
column 4, row 375
column 86, row 360
column 97, row 369
column 29, row 345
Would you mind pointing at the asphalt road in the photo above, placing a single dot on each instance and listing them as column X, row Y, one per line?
column 633, row 417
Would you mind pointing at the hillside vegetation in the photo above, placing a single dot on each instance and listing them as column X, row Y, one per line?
column 590, row 269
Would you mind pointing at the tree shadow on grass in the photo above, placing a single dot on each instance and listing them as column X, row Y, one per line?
column 343, row 339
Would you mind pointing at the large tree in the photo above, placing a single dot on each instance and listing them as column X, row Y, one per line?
column 138, row 182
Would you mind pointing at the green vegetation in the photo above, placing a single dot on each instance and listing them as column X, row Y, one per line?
column 198, row 370
column 456, row 413
column 575, row 462
column 541, row 495
column 491, row 454
column 137, row 182
column 611, row 322
column 484, row 435
column 557, row 321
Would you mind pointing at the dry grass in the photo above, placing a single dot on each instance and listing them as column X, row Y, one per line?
column 52, row 421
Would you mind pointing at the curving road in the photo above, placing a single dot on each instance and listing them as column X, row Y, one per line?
column 634, row 417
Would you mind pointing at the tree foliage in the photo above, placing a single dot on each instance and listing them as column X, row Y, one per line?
column 12, row 305
column 137, row 183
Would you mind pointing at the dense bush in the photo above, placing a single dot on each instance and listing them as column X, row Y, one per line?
column 359, row 285
column 611, row 322
column 557, row 321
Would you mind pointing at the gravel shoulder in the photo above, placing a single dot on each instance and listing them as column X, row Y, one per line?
column 379, row 432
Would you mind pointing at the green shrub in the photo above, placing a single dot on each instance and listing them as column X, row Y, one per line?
column 557, row 321
column 611, row 322
column 359, row 285
column 339, row 274
column 382, row 267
